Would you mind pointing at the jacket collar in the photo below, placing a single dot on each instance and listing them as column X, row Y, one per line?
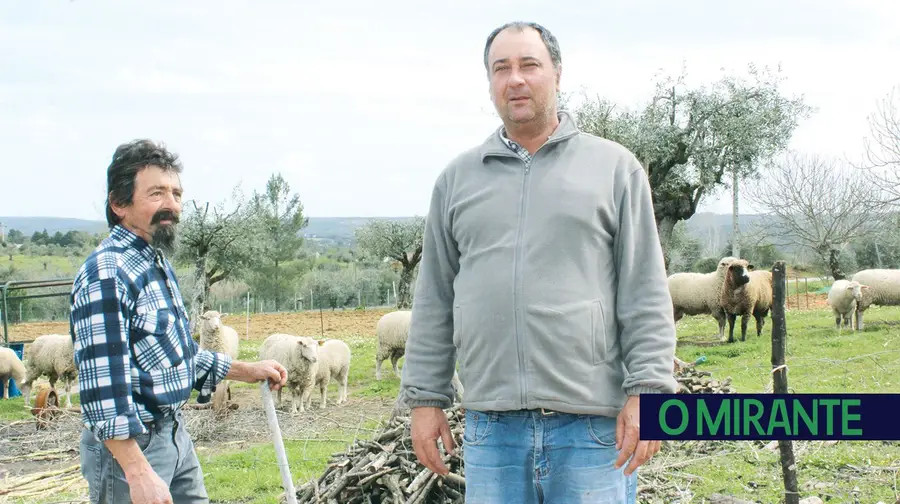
column 494, row 145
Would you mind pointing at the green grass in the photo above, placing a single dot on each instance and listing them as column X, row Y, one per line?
column 819, row 359
column 252, row 475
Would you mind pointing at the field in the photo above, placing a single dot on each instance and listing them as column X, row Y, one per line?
column 240, row 466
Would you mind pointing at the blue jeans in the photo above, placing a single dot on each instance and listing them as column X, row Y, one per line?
column 169, row 450
column 533, row 457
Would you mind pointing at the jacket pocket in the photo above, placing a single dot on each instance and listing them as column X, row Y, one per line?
column 599, row 336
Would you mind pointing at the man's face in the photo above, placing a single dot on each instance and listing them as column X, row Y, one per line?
column 155, row 207
column 523, row 81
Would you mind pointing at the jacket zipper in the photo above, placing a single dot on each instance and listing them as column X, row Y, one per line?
column 518, row 293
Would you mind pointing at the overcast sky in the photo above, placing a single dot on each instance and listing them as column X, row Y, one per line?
column 361, row 104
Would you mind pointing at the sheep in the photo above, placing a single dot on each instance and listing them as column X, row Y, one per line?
column 334, row 362
column 746, row 292
column 299, row 355
column 392, row 331
column 843, row 297
column 884, row 290
column 53, row 355
column 699, row 293
column 218, row 337
column 10, row 367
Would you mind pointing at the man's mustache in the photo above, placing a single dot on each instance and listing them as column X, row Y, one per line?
column 164, row 215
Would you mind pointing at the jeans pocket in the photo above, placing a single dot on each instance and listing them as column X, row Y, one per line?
column 602, row 430
column 478, row 426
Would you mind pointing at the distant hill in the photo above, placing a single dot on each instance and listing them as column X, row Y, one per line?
column 338, row 230
column 30, row 225
column 713, row 230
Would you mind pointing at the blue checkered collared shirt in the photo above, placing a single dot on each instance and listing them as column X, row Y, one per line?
column 136, row 359
column 520, row 151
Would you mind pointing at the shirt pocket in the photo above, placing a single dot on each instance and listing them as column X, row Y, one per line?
column 154, row 340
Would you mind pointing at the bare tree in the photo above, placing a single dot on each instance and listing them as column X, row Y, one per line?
column 882, row 148
column 818, row 204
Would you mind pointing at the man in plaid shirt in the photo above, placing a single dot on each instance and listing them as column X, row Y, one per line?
column 137, row 362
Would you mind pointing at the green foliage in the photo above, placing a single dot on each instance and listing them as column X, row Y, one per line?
column 280, row 217
column 706, row 265
column 688, row 138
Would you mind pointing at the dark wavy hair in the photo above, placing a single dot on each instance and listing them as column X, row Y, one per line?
column 128, row 160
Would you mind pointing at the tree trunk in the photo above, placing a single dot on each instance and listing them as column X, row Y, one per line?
column 665, row 226
column 201, row 292
column 835, row 267
column 404, row 302
column 735, row 215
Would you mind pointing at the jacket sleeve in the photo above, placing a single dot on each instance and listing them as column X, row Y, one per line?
column 430, row 353
column 643, row 304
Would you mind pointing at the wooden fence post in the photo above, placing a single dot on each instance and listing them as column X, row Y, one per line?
column 779, row 376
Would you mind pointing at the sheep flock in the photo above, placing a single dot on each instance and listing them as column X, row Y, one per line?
column 738, row 289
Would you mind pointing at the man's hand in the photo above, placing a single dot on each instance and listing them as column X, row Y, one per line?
column 145, row 486
column 628, row 437
column 427, row 424
column 253, row 372
column 148, row 488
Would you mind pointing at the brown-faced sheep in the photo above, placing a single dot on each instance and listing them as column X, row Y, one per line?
column 699, row 293
column 746, row 292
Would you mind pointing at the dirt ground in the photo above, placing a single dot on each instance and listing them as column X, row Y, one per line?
column 310, row 323
column 26, row 450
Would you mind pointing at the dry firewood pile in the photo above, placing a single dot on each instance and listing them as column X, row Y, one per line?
column 694, row 381
column 385, row 470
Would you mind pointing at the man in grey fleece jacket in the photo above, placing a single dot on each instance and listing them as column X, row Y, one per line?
column 542, row 275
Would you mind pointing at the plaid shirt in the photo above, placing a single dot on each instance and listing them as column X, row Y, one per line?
column 136, row 359
column 522, row 152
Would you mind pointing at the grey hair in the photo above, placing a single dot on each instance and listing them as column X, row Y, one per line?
column 520, row 26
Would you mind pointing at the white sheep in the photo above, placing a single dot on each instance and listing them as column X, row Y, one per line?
column 52, row 355
column 884, row 290
column 392, row 332
column 218, row 337
column 299, row 355
column 10, row 367
column 333, row 362
column 843, row 297
column 700, row 293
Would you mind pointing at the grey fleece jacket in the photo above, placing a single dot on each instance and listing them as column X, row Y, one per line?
column 547, row 283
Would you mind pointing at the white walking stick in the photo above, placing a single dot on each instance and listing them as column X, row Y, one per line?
column 286, row 480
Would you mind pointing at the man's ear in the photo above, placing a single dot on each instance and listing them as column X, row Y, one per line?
column 118, row 210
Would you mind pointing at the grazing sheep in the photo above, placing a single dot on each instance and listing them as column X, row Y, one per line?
column 699, row 293
column 52, row 355
column 10, row 367
column 392, row 331
column 884, row 290
column 299, row 355
column 746, row 292
column 218, row 337
column 334, row 362
column 843, row 297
